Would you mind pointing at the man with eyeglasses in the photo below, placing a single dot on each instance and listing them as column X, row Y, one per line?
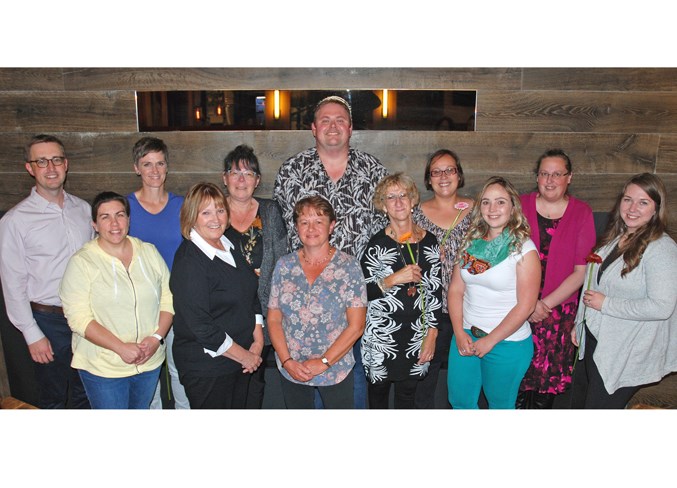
column 347, row 178
column 37, row 238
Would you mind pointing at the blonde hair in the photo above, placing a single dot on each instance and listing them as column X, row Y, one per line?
column 198, row 197
column 398, row 179
column 518, row 226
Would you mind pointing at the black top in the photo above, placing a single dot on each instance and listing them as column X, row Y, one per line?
column 211, row 299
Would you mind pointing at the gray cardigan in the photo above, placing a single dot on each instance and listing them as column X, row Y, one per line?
column 636, row 329
column 274, row 246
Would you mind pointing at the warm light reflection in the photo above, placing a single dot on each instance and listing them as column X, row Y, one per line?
column 219, row 110
column 384, row 104
column 198, row 113
column 276, row 105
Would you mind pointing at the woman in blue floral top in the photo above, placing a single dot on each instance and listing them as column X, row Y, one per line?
column 316, row 312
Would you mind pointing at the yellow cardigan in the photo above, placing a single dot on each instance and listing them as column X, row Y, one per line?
column 96, row 286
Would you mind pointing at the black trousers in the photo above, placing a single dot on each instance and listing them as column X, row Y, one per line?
column 425, row 389
column 405, row 392
column 300, row 396
column 219, row 392
column 588, row 388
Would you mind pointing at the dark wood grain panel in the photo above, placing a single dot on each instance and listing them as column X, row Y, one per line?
column 560, row 111
column 399, row 150
column 156, row 79
column 666, row 162
column 606, row 79
column 31, row 79
column 67, row 111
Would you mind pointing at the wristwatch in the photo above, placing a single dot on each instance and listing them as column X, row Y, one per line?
column 159, row 338
column 326, row 362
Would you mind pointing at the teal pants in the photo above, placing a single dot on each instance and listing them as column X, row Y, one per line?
column 499, row 373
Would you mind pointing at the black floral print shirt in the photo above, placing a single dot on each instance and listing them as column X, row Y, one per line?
column 351, row 196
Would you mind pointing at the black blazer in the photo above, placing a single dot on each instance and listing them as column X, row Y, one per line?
column 211, row 299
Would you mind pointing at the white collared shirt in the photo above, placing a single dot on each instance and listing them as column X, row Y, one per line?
column 37, row 238
column 227, row 257
column 210, row 251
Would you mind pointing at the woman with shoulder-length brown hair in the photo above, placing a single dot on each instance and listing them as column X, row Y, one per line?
column 218, row 334
column 627, row 320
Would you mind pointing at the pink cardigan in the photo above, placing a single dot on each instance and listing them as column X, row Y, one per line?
column 573, row 241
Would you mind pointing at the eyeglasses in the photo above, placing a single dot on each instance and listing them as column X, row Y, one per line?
column 245, row 174
column 436, row 173
column 43, row 162
column 555, row 176
column 396, row 196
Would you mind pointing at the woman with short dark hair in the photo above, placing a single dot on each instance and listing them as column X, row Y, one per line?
column 316, row 312
column 258, row 233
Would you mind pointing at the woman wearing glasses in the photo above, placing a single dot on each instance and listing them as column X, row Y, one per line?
column 563, row 230
column 447, row 216
column 259, row 235
column 401, row 265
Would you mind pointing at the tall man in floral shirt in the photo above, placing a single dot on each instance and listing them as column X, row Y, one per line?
column 346, row 177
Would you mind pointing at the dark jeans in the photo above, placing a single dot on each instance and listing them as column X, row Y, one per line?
column 588, row 386
column 225, row 391
column 56, row 379
column 299, row 396
column 379, row 394
column 360, row 380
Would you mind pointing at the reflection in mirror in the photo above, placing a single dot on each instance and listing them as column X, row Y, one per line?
column 449, row 110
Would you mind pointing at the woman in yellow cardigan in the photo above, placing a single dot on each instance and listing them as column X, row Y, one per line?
column 116, row 297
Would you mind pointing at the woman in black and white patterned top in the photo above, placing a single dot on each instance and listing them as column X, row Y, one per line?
column 401, row 266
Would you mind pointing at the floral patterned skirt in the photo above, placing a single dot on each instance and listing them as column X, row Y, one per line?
column 551, row 367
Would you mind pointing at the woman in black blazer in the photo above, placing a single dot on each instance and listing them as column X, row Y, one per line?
column 218, row 335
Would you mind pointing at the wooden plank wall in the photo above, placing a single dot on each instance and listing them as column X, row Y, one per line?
column 613, row 123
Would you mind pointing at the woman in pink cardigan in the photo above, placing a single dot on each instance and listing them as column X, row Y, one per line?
column 563, row 230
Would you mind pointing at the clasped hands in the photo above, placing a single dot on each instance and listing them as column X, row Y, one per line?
column 306, row 370
column 138, row 353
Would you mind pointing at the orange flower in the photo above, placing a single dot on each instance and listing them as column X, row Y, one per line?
column 405, row 237
column 593, row 258
column 257, row 224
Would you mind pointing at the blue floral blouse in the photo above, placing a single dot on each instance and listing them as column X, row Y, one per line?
column 313, row 316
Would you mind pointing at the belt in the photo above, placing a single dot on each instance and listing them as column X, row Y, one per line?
column 39, row 307
column 477, row 332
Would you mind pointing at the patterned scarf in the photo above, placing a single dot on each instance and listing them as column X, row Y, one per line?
column 482, row 255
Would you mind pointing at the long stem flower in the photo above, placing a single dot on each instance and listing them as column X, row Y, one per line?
column 591, row 259
column 404, row 239
column 460, row 206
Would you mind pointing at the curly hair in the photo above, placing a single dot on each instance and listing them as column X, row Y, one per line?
column 636, row 243
column 400, row 179
column 518, row 226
